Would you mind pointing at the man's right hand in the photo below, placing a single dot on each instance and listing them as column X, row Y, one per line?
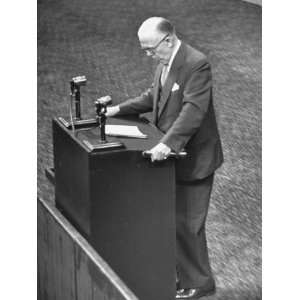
column 111, row 110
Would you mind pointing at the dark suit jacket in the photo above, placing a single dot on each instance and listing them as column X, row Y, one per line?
column 185, row 115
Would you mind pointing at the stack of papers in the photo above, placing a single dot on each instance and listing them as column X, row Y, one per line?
column 125, row 131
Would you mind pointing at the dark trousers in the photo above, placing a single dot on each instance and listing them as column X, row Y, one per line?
column 192, row 201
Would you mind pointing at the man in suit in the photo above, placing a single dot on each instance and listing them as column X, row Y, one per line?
column 182, row 106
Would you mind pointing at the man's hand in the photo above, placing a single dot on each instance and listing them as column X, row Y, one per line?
column 112, row 110
column 160, row 152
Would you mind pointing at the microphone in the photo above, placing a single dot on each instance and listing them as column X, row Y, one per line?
column 101, row 109
column 76, row 83
column 104, row 101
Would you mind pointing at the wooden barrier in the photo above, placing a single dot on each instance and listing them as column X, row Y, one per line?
column 68, row 267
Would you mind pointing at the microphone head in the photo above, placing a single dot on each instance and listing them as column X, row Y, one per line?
column 106, row 100
column 79, row 80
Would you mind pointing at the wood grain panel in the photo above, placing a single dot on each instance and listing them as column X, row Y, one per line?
column 68, row 267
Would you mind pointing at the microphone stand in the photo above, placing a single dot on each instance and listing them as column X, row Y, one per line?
column 101, row 109
column 76, row 121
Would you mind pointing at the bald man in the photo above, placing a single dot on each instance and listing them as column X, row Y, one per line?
column 182, row 105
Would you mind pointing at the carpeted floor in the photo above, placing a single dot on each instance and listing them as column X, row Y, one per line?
column 97, row 38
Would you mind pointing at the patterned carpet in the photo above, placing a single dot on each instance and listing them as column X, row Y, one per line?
column 98, row 39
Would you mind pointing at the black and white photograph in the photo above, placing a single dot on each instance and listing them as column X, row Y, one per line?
column 149, row 149
column 149, row 158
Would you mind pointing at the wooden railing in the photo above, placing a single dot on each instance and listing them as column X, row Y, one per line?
column 68, row 267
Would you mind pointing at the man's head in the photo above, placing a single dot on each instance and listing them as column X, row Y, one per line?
column 158, row 38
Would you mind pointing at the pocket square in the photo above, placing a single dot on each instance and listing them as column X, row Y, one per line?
column 175, row 87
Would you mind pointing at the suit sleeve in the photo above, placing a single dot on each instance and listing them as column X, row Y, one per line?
column 138, row 105
column 196, row 97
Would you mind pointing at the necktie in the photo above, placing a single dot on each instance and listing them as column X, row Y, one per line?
column 164, row 74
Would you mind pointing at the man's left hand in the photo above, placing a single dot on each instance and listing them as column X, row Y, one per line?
column 160, row 152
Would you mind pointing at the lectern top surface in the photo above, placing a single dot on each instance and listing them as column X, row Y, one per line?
column 91, row 135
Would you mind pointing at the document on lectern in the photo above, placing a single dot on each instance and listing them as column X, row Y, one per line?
column 124, row 131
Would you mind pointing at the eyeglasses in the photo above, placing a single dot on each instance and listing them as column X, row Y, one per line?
column 151, row 50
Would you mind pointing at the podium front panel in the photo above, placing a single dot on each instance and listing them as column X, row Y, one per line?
column 123, row 204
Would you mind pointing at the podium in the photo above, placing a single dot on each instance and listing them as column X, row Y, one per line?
column 121, row 202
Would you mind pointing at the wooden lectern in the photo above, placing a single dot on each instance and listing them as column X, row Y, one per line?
column 121, row 202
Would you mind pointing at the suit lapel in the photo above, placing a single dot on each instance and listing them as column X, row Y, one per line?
column 171, row 78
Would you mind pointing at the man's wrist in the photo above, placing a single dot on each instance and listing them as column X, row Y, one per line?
column 112, row 110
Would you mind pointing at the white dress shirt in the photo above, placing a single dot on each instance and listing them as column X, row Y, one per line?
column 166, row 68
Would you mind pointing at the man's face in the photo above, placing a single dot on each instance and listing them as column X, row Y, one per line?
column 157, row 46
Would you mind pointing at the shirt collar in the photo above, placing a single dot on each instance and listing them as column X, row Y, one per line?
column 173, row 55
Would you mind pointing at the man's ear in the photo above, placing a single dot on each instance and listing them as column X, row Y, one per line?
column 170, row 42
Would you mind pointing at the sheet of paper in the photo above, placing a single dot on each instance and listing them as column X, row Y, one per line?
column 124, row 130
